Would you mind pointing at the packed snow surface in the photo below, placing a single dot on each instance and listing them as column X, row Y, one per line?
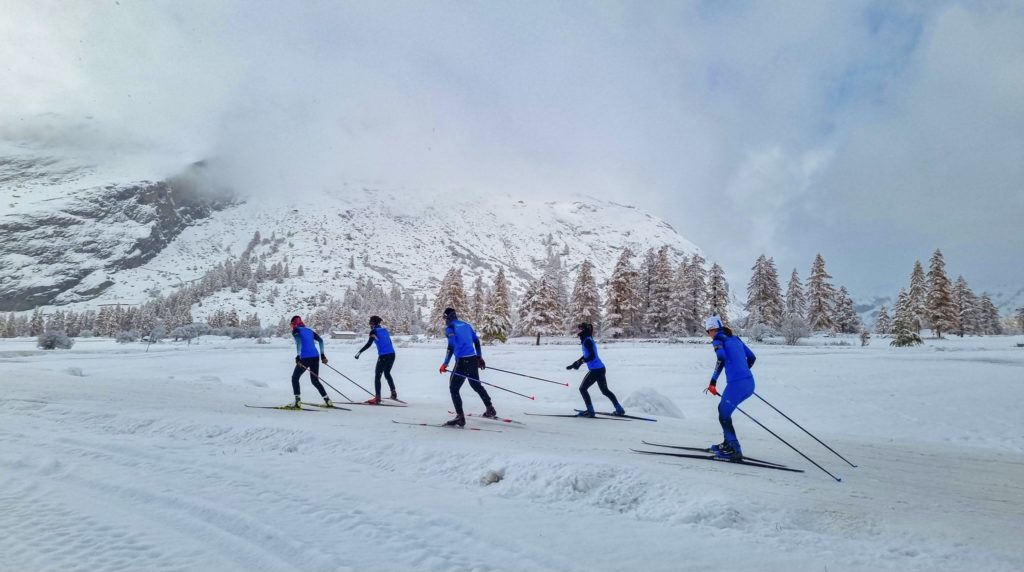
column 128, row 457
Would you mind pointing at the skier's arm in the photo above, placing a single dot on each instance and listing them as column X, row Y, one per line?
column 319, row 342
column 450, row 333
column 298, row 344
column 720, row 352
column 588, row 349
column 751, row 358
column 476, row 346
column 369, row 342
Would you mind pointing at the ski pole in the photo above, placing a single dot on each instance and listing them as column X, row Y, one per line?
column 529, row 376
column 321, row 380
column 350, row 379
column 802, row 429
column 494, row 386
column 838, row 480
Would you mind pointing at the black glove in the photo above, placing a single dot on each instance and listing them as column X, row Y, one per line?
column 483, row 364
column 750, row 362
column 297, row 360
column 323, row 358
column 575, row 365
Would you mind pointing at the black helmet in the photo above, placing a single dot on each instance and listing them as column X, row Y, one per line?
column 375, row 320
column 449, row 314
column 586, row 329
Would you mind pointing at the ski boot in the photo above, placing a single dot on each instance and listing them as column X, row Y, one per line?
column 619, row 410
column 490, row 413
column 327, row 402
column 586, row 413
column 373, row 401
column 394, row 396
column 459, row 421
column 297, row 404
column 728, row 451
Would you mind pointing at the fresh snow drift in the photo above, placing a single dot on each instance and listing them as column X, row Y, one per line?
column 126, row 457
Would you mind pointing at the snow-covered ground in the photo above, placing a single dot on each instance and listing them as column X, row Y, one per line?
column 119, row 458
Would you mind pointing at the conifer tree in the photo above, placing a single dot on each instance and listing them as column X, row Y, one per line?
column 902, row 326
column 36, row 324
column 845, row 317
column 621, row 297
column 939, row 304
column 451, row 294
column 696, row 290
column 497, row 323
column 965, row 308
column 585, row 302
column 796, row 302
column 659, row 298
column 538, row 314
column 883, row 323
column 764, row 295
column 680, row 298
column 478, row 301
column 643, row 288
column 918, row 296
column 718, row 294
column 989, row 314
column 557, row 279
column 10, row 326
column 1020, row 318
column 820, row 297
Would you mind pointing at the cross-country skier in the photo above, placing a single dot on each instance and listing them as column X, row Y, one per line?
column 307, row 357
column 736, row 359
column 595, row 371
column 464, row 344
column 385, row 357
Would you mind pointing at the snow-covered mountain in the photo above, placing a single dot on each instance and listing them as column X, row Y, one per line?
column 82, row 234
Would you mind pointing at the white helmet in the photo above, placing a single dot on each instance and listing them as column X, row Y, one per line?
column 713, row 323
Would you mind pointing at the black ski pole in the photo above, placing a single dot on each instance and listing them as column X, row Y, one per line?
column 802, row 429
column 321, row 380
column 350, row 379
column 838, row 480
column 495, row 386
column 529, row 376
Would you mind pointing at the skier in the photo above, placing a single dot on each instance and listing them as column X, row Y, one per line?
column 596, row 371
column 736, row 359
column 307, row 357
column 464, row 344
column 385, row 358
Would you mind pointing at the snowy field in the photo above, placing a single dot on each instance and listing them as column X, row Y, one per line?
column 118, row 458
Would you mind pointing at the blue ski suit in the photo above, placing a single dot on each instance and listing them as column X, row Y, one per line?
column 464, row 344
column 736, row 359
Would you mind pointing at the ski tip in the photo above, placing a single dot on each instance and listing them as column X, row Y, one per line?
column 533, row 398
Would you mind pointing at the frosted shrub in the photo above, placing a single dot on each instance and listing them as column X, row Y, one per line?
column 793, row 328
column 127, row 337
column 51, row 340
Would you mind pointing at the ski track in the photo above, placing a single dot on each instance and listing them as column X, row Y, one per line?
column 184, row 479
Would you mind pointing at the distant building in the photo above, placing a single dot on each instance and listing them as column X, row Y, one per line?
column 342, row 335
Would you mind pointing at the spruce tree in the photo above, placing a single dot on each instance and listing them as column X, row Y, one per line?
column 820, row 297
column 1020, row 318
column 845, row 317
column 989, row 314
column 941, row 310
column 883, row 323
column 718, row 294
column 555, row 274
column 620, row 301
column 903, row 330
column 450, row 294
column 796, row 302
column 538, row 314
column 585, row 302
column 918, row 296
column 965, row 307
column 478, row 301
column 36, row 324
column 680, row 298
column 764, row 295
column 659, row 299
column 497, row 322
column 697, row 290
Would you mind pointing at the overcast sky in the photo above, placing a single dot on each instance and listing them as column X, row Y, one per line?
column 872, row 132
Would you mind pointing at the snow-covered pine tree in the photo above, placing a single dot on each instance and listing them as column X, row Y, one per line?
column 10, row 326
column 718, row 294
column 620, row 301
column 1020, row 318
column 558, row 280
column 820, row 297
column 965, row 306
column 450, row 294
column 659, row 299
column 883, row 323
column 764, row 295
column 681, row 298
column 903, row 330
column 845, row 316
column 939, row 304
column 918, row 296
column 585, row 302
column 497, row 323
column 36, row 324
column 697, row 307
column 478, row 301
column 538, row 314
column 643, row 288
column 991, row 325
column 796, row 302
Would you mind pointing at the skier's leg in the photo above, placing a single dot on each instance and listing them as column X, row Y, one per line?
column 314, row 368
column 588, row 380
column 471, row 367
column 377, row 371
column 602, row 384
column 454, row 385
column 296, row 374
column 735, row 393
column 389, row 361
